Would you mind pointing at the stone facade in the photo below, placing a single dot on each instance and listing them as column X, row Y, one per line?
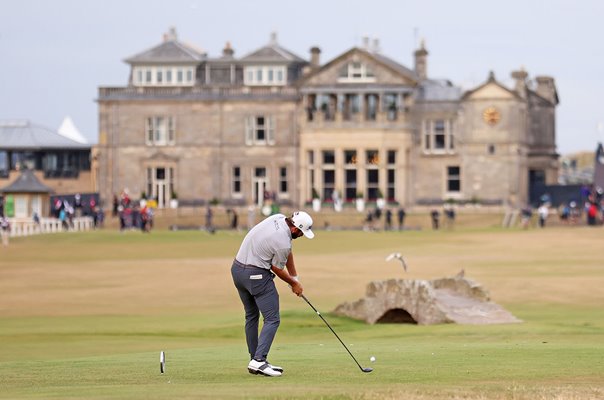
column 270, row 124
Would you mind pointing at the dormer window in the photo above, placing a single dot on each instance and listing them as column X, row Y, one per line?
column 265, row 75
column 163, row 75
column 356, row 72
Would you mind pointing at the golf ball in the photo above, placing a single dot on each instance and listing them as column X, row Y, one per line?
column 372, row 359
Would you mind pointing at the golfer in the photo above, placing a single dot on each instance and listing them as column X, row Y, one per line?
column 264, row 253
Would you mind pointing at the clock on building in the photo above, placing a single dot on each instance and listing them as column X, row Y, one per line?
column 491, row 115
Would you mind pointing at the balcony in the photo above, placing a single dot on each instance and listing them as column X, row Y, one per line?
column 197, row 93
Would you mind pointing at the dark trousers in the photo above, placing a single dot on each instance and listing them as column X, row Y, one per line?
column 258, row 295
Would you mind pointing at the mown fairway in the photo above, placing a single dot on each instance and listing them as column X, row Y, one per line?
column 86, row 315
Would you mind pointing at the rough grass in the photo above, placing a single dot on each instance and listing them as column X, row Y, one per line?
column 85, row 316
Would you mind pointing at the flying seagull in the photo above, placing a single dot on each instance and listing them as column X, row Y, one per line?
column 399, row 257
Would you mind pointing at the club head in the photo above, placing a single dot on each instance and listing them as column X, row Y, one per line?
column 367, row 369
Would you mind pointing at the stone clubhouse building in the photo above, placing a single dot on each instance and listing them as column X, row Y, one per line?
column 273, row 124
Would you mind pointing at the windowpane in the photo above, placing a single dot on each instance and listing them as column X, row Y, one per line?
column 329, row 179
column 439, row 142
column 373, row 157
column 236, row 180
column 283, row 180
column 350, row 157
column 391, row 156
column 351, row 184
column 328, row 157
column 453, row 179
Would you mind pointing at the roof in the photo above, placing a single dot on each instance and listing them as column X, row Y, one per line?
column 438, row 90
column 22, row 134
column 272, row 53
column 393, row 64
column 171, row 50
column 375, row 55
column 491, row 80
column 26, row 183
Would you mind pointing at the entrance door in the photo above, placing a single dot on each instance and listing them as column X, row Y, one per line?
column 159, row 184
column 259, row 185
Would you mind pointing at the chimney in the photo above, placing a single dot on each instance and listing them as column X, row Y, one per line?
column 315, row 57
column 376, row 45
column 546, row 88
column 520, row 78
column 365, row 42
column 421, row 61
column 228, row 51
column 171, row 35
column 273, row 40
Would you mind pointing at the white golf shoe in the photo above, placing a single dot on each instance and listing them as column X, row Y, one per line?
column 262, row 368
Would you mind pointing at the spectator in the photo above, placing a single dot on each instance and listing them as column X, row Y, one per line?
column 450, row 214
column 388, row 222
column 527, row 214
column 543, row 212
column 209, row 217
column 435, row 215
column 4, row 229
column 401, row 218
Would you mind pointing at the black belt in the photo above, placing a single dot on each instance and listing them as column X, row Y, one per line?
column 246, row 266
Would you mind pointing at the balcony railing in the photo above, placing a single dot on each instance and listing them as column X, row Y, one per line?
column 196, row 92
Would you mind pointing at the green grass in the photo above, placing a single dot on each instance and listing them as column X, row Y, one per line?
column 86, row 315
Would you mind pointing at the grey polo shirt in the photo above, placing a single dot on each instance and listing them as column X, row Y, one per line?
column 266, row 244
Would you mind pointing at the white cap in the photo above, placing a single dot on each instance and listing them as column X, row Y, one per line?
column 303, row 221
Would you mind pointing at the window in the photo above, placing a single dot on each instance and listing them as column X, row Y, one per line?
column 491, row 149
column 329, row 157
column 391, row 157
column 259, row 130
column 351, row 184
column 283, row 180
column 236, row 189
column 264, row 75
column 350, row 157
column 391, row 185
column 373, row 184
column 356, row 72
column 3, row 160
column 391, row 175
column 163, row 76
column 373, row 157
column 453, row 179
column 329, row 183
column 160, row 131
column 438, row 136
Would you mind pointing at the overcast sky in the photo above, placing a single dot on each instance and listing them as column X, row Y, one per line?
column 54, row 54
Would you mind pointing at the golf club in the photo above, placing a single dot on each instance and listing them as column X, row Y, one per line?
column 334, row 332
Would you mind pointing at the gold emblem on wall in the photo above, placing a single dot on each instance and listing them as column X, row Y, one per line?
column 491, row 116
